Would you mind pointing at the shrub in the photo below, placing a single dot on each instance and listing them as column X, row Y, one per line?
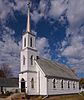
column 8, row 93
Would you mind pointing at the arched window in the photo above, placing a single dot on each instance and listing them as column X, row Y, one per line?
column 31, row 60
column 54, row 86
column 24, row 42
column 68, row 84
column 32, row 83
column 22, row 80
column 74, row 85
column 23, row 60
column 31, row 42
column 62, row 84
column 22, row 85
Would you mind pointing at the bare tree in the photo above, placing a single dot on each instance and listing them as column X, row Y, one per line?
column 6, row 70
column 2, row 74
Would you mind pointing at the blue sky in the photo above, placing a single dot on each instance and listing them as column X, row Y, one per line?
column 58, row 25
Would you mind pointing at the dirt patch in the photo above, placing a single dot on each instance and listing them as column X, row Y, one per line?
column 64, row 97
column 22, row 96
column 17, row 96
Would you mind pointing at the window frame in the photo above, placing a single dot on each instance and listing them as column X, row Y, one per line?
column 68, row 85
column 54, row 84
column 25, row 42
column 31, row 59
column 30, row 41
column 62, row 84
column 24, row 60
column 32, row 83
column 73, row 85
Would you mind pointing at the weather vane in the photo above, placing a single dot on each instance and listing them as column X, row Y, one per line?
column 28, row 2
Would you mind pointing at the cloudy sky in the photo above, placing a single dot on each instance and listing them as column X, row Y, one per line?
column 58, row 24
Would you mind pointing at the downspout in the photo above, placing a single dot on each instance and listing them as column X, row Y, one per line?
column 45, row 97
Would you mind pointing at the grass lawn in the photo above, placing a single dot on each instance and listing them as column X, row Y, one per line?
column 67, row 97
column 61, row 97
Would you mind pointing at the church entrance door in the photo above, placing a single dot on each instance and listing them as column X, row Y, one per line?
column 22, row 85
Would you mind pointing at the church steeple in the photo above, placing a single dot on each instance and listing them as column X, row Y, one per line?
column 28, row 18
column 28, row 37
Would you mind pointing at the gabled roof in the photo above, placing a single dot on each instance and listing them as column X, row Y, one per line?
column 9, row 82
column 54, row 69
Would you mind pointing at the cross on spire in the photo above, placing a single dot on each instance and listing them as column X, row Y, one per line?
column 28, row 2
column 28, row 18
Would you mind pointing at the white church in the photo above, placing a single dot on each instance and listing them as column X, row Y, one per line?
column 39, row 76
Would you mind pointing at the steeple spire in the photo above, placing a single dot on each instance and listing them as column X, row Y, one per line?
column 28, row 19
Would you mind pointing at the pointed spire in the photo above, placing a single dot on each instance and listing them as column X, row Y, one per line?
column 28, row 19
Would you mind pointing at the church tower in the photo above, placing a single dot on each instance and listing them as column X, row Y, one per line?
column 27, row 76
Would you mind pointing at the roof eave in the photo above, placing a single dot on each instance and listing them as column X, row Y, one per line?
column 61, row 78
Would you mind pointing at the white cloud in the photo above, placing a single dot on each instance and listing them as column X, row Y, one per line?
column 21, row 5
column 75, row 14
column 72, row 48
column 74, row 52
column 78, row 64
column 43, row 47
column 51, row 9
column 34, row 32
column 5, row 9
column 57, row 8
column 40, row 12
column 35, row 16
column 9, row 50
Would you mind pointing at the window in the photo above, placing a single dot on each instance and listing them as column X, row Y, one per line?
column 31, row 42
column 74, row 85
column 37, row 57
column 24, row 42
column 22, row 85
column 54, row 86
column 31, row 60
column 62, row 84
column 32, row 83
column 23, row 60
column 68, row 84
